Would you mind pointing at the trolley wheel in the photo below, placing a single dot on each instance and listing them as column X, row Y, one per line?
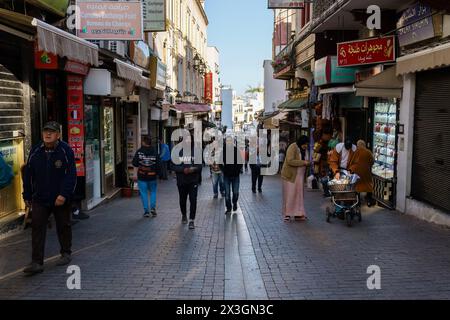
column 349, row 218
column 328, row 213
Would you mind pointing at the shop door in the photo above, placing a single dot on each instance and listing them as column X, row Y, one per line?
column 108, row 147
column 431, row 158
column 92, row 154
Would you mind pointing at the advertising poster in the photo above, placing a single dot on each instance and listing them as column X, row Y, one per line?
column 75, row 120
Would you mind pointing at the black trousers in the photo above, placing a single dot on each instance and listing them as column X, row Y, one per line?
column 256, row 177
column 184, row 191
column 39, row 222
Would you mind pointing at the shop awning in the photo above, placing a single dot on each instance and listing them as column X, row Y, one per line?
column 345, row 89
column 50, row 38
column 64, row 44
column 427, row 59
column 384, row 85
column 133, row 73
column 293, row 104
column 193, row 107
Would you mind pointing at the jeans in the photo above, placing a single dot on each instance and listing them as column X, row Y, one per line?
column 184, row 191
column 163, row 174
column 256, row 177
column 39, row 222
column 144, row 188
column 217, row 180
column 231, row 183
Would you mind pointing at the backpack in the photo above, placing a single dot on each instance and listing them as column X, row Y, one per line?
column 6, row 173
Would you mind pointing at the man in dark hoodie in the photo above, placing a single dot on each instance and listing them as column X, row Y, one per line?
column 147, row 161
column 49, row 182
column 188, row 177
column 231, row 171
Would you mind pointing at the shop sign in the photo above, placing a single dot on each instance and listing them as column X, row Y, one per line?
column 416, row 24
column 45, row 60
column 110, row 20
column 75, row 120
column 76, row 67
column 158, row 73
column 140, row 54
column 326, row 71
column 283, row 4
column 154, row 15
column 369, row 51
column 208, row 87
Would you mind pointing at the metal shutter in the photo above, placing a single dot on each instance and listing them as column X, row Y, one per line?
column 431, row 158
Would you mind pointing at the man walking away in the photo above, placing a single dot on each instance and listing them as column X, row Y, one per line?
column 165, row 159
column 231, row 173
column 146, row 159
column 188, row 177
column 256, row 174
column 49, row 182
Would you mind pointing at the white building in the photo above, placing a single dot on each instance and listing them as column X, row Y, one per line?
column 227, row 107
column 213, row 61
column 274, row 90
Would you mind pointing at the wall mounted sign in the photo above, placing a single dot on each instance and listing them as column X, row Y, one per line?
column 45, row 60
column 283, row 4
column 369, row 51
column 154, row 15
column 75, row 120
column 326, row 71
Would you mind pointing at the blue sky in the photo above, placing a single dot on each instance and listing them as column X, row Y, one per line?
column 242, row 31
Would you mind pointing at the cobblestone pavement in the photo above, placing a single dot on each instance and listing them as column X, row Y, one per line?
column 252, row 254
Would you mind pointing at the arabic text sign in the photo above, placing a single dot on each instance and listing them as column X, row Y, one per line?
column 377, row 50
column 283, row 4
column 110, row 20
column 154, row 14
column 415, row 25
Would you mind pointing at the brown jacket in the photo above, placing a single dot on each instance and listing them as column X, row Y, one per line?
column 361, row 164
column 292, row 161
column 335, row 160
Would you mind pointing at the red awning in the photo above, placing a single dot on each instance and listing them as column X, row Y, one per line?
column 193, row 107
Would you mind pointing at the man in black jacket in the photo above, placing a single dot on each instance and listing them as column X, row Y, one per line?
column 231, row 171
column 147, row 160
column 188, row 177
column 49, row 182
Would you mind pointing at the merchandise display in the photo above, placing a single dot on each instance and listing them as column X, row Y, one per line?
column 384, row 143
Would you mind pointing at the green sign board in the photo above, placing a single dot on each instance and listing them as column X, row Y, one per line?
column 326, row 71
column 58, row 7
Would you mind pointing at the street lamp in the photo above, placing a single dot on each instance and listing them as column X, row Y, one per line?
column 196, row 61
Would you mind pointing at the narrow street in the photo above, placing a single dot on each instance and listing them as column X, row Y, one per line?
column 252, row 254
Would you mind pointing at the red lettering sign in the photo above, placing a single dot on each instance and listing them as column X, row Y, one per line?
column 75, row 120
column 76, row 67
column 360, row 52
column 209, row 87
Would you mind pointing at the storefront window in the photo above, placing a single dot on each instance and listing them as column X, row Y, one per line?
column 384, row 143
column 10, row 196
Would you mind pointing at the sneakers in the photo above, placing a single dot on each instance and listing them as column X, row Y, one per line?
column 184, row 219
column 259, row 190
column 228, row 211
column 33, row 268
column 64, row 259
column 191, row 224
column 79, row 215
column 153, row 211
column 254, row 190
column 235, row 207
column 146, row 214
column 216, row 196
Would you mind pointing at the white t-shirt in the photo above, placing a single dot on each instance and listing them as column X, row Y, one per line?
column 340, row 148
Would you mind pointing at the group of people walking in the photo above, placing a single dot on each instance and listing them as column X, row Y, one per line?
column 49, row 180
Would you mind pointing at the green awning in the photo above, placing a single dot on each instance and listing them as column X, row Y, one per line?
column 293, row 104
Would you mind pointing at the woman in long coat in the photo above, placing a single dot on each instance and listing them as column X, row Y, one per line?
column 293, row 175
column 361, row 164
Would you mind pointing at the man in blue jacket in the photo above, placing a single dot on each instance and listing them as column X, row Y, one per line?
column 49, row 183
